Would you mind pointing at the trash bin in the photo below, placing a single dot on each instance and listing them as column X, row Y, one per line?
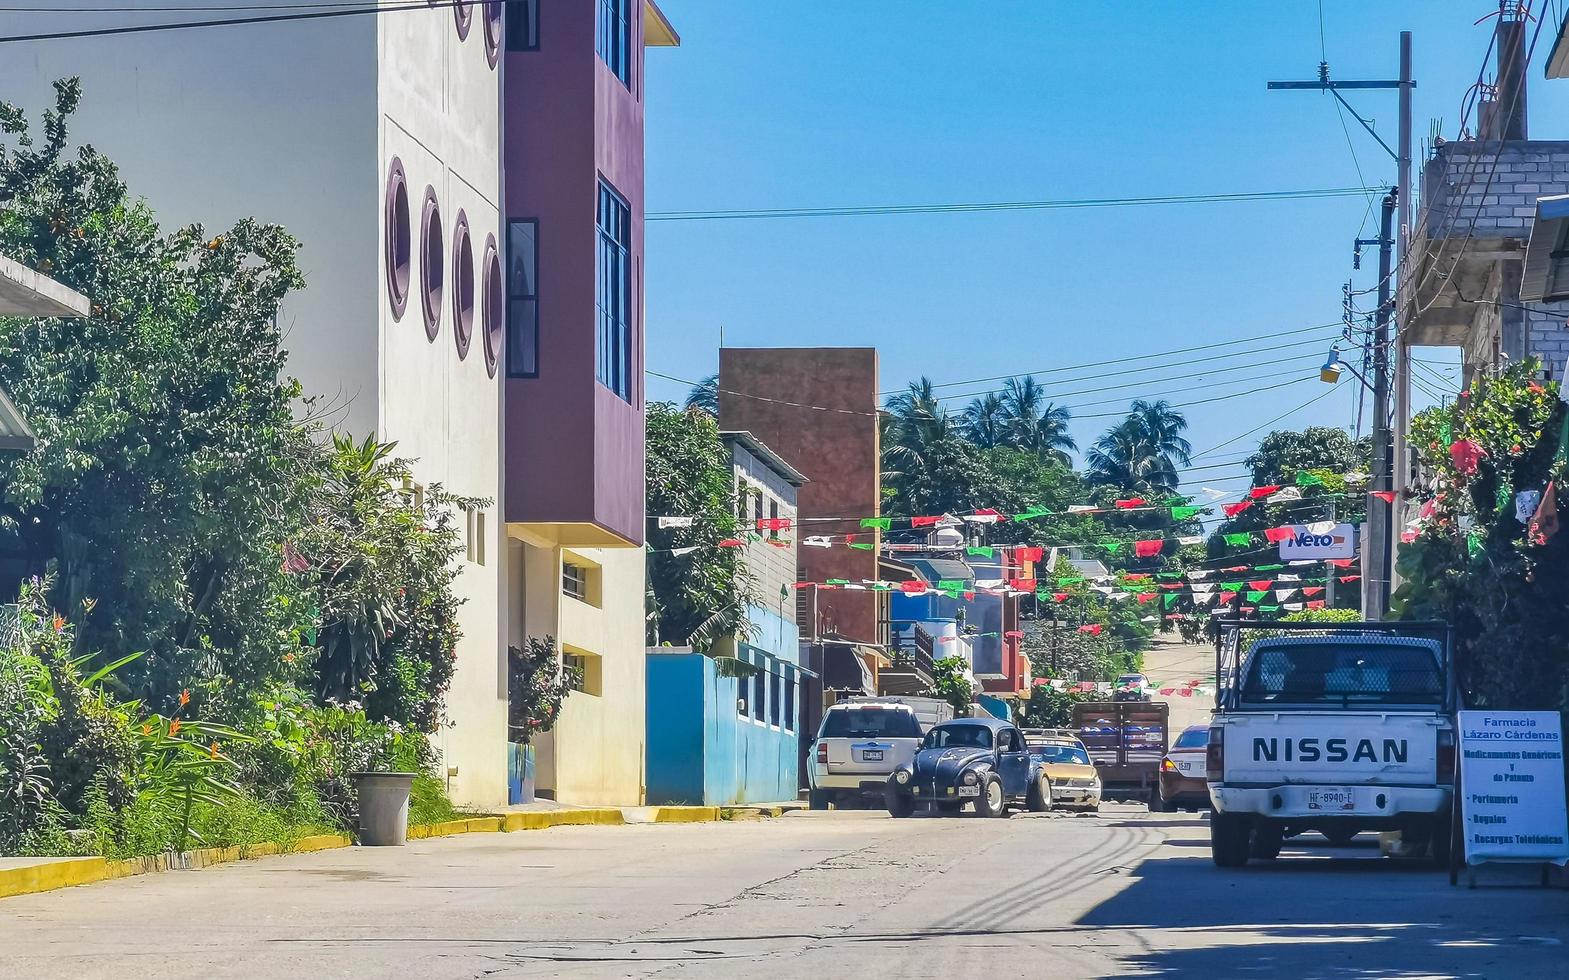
column 384, row 807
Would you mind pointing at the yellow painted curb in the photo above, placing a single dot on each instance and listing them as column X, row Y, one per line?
column 473, row 825
column 545, row 819
column 53, row 875
column 685, row 814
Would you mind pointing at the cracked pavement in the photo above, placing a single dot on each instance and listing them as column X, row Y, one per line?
column 818, row 895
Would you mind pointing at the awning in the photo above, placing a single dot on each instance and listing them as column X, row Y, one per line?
column 844, row 671
column 1546, row 276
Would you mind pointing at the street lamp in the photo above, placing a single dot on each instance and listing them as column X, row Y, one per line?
column 1330, row 372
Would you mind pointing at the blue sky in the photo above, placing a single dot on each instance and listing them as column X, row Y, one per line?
column 821, row 103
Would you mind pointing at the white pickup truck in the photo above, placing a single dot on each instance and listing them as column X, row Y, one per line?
column 1335, row 728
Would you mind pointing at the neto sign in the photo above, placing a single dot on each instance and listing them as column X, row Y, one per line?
column 1339, row 541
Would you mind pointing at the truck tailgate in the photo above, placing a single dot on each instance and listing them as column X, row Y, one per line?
column 1340, row 747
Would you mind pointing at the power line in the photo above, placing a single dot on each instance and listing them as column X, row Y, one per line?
column 1045, row 205
column 1310, row 401
column 1137, row 357
column 237, row 21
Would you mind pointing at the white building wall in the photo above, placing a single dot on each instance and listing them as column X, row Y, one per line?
column 440, row 115
column 295, row 124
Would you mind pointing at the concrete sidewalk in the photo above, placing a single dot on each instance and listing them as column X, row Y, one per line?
column 30, row 875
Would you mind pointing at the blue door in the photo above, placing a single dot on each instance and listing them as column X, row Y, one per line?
column 1013, row 762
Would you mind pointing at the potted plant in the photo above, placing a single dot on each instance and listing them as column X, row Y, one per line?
column 537, row 684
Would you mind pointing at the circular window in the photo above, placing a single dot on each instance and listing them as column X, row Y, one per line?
column 432, row 269
column 464, row 13
column 493, row 312
column 462, row 285
column 492, row 33
column 399, row 239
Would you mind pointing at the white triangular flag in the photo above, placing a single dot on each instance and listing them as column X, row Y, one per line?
column 983, row 518
column 665, row 522
column 817, row 541
column 1080, row 508
column 1284, row 594
column 1214, row 494
column 683, row 551
column 1191, row 539
column 1288, row 578
column 1200, row 572
column 1116, row 596
column 1290, row 493
column 1292, row 606
column 1320, row 527
column 1357, row 476
column 1305, row 561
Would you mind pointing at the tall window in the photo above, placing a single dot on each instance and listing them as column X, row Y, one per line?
column 523, row 25
column 773, row 516
column 615, row 38
column 789, row 705
column 615, row 293
column 522, row 298
column 759, row 691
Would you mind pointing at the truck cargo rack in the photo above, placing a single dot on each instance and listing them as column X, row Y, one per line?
column 1234, row 637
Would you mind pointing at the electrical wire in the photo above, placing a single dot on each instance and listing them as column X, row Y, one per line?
column 1315, row 193
column 1136, row 357
column 238, row 21
column 1310, row 401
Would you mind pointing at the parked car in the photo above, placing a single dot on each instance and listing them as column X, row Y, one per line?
column 1131, row 687
column 1072, row 777
column 1182, row 783
column 858, row 745
column 979, row 760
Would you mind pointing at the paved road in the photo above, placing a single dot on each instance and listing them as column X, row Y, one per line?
column 1171, row 663
column 818, row 895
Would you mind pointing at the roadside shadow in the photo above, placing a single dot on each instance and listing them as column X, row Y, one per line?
column 1311, row 915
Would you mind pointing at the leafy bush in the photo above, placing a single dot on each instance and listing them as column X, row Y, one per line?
column 1323, row 616
column 1048, row 707
column 952, row 683
column 537, row 683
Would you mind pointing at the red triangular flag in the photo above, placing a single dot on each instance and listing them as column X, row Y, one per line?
column 1316, row 604
column 1029, row 553
column 969, row 597
column 1129, row 504
column 914, row 585
column 1313, row 590
column 1059, row 597
column 1544, row 523
column 1342, row 562
column 1232, row 510
column 1146, row 597
column 1226, row 597
column 1166, row 692
column 1235, row 568
column 1260, row 492
column 1093, row 630
column 1148, row 549
column 1259, row 585
column 731, row 543
column 924, row 521
column 1172, row 585
column 1387, row 496
column 1014, row 634
column 1349, row 578
column 1141, row 577
column 1275, row 535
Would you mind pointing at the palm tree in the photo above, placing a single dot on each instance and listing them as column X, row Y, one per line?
column 985, row 421
column 1033, row 423
column 912, row 422
column 1142, row 452
column 704, row 396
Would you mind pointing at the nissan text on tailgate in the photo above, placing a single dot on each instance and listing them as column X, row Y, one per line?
column 1336, row 729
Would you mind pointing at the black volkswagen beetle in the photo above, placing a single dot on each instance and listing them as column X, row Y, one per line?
column 970, row 760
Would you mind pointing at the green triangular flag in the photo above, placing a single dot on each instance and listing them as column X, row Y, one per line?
column 1112, row 547
column 1267, row 568
column 1241, row 537
column 784, row 592
column 1473, row 544
column 837, row 581
column 1072, row 580
column 1306, row 479
column 1170, row 599
column 1031, row 513
column 1183, row 513
column 1168, row 575
column 878, row 522
column 982, row 552
column 1043, row 595
column 881, row 586
column 953, row 585
column 861, row 545
column 1269, row 609
column 1254, row 596
column 1231, row 586
column 1504, row 496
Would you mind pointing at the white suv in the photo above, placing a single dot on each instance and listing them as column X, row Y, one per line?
column 858, row 746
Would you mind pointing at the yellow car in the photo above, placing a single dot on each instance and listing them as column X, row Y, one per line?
column 1074, row 782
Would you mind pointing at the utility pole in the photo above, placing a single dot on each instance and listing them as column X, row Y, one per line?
column 1376, row 563
column 1329, row 573
column 1386, row 475
column 1401, row 471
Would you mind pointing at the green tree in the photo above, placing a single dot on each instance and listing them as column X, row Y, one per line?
column 1283, row 454
column 985, row 421
column 703, row 595
column 381, row 564
column 951, row 682
column 915, row 426
column 1142, row 452
column 1033, row 423
column 704, row 396
column 1048, row 707
column 169, row 469
column 537, row 685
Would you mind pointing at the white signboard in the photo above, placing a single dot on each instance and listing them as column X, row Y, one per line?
column 1512, row 786
column 1339, row 541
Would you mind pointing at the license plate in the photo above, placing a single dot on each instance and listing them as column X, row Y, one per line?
column 1185, row 766
column 1332, row 800
column 969, row 791
column 871, row 755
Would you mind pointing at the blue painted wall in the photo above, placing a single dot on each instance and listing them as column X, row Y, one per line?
column 700, row 750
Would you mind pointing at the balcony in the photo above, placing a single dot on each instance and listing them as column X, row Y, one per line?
column 912, row 670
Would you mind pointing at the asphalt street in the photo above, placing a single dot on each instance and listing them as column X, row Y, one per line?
column 819, row 895
column 1171, row 663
